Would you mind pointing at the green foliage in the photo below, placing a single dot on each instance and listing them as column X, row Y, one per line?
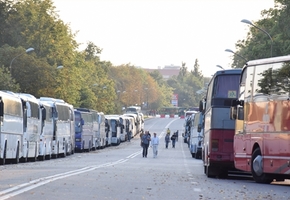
column 6, row 82
column 257, row 45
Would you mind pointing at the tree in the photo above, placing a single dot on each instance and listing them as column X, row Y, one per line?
column 196, row 71
column 6, row 82
column 257, row 44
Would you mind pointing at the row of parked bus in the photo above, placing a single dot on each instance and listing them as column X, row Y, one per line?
column 193, row 132
column 37, row 129
column 244, row 121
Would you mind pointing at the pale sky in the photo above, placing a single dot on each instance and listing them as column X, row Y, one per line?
column 152, row 33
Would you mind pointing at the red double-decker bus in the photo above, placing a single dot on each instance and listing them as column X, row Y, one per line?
column 219, row 129
column 262, row 113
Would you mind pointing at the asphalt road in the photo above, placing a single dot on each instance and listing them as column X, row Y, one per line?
column 120, row 172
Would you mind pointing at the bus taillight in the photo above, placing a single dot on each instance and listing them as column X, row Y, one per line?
column 214, row 145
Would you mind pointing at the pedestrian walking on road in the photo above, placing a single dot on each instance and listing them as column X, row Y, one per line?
column 168, row 131
column 155, row 143
column 145, row 143
column 173, row 137
column 167, row 140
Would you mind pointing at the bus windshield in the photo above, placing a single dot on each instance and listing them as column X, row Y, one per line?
column 226, row 86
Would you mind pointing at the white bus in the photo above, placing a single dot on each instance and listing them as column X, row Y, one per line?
column 134, row 123
column 126, row 127
column 114, row 128
column 11, row 129
column 196, row 135
column 133, row 109
column 47, row 130
column 32, row 126
column 101, row 135
column 62, row 118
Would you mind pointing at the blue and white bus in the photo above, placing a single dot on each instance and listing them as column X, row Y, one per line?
column 84, row 134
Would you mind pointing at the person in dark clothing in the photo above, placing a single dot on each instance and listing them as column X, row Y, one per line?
column 145, row 143
column 173, row 138
column 176, row 134
column 167, row 140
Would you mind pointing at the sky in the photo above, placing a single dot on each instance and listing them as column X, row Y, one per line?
column 158, row 33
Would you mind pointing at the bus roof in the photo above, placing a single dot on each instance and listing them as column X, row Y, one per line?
column 268, row 60
column 229, row 71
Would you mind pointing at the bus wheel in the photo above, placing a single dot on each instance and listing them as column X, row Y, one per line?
column 34, row 159
column 89, row 149
column 210, row 172
column 3, row 160
column 72, row 149
column 48, row 157
column 17, row 155
column 257, row 168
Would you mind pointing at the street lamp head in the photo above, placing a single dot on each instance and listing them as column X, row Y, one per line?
column 247, row 22
column 228, row 50
column 220, row 67
column 250, row 23
column 59, row 67
column 29, row 49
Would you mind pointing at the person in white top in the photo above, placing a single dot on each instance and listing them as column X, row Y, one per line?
column 155, row 143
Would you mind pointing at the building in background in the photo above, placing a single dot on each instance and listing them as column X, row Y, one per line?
column 167, row 72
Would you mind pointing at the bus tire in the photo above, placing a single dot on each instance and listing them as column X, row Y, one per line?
column 65, row 151
column 90, row 146
column 3, row 160
column 72, row 149
column 34, row 159
column 210, row 173
column 25, row 159
column 257, row 168
column 48, row 157
column 17, row 154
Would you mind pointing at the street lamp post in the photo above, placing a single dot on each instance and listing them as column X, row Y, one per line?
column 228, row 50
column 26, row 51
column 250, row 23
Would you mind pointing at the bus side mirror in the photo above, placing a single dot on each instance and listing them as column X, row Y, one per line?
column 1, row 107
column 82, row 121
column 199, row 128
column 43, row 114
column 200, row 106
column 233, row 113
